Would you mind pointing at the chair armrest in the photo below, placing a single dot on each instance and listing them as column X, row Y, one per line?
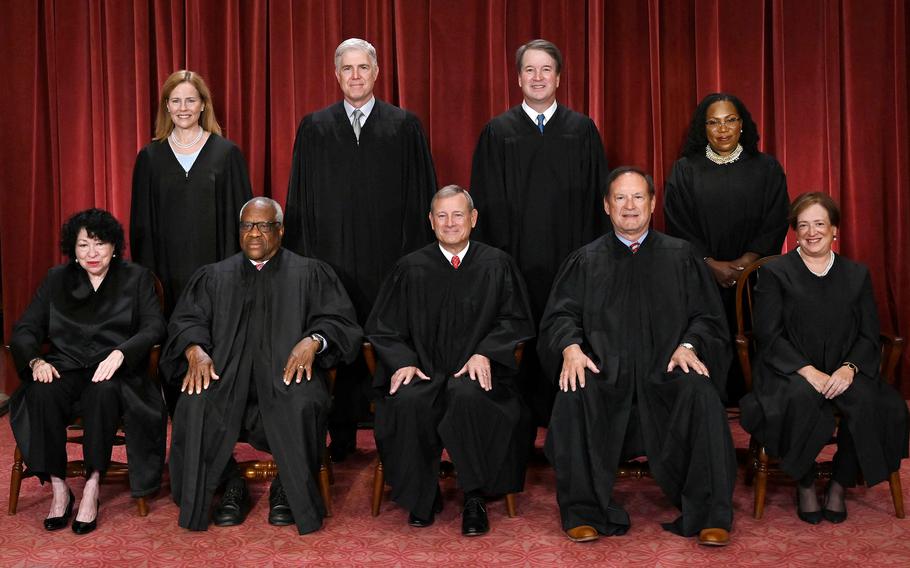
column 892, row 348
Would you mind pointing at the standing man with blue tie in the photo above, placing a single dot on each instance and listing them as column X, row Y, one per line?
column 537, row 175
column 360, row 186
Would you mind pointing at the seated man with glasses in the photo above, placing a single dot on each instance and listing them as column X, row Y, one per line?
column 249, row 343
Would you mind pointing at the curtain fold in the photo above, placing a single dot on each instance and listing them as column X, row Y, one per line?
column 826, row 82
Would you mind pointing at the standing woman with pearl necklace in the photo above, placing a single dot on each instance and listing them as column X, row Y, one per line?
column 189, row 184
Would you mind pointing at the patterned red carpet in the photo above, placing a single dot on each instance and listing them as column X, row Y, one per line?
column 871, row 537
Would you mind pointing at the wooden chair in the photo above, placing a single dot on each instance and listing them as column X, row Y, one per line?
column 446, row 468
column 760, row 465
column 117, row 471
column 266, row 470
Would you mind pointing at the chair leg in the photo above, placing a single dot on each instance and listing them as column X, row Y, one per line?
column 378, row 486
column 324, row 486
column 897, row 494
column 761, row 484
column 15, row 482
column 510, row 505
column 750, row 462
column 143, row 506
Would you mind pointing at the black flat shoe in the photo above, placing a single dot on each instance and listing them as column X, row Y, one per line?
column 474, row 521
column 279, row 508
column 84, row 528
column 420, row 523
column 811, row 517
column 57, row 523
column 235, row 504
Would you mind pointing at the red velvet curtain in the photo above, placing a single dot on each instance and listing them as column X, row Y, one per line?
column 826, row 80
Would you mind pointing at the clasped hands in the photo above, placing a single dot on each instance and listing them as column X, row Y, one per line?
column 831, row 385
column 477, row 368
column 727, row 272
column 574, row 363
column 201, row 369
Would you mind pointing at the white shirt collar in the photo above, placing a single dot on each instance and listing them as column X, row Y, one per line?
column 366, row 109
column 258, row 262
column 627, row 242
column 461, row 253
column 532, row 114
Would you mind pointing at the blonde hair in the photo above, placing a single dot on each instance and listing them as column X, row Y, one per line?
column 163, row 123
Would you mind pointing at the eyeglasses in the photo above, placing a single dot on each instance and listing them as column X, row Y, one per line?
column 731, row 122
column 264, row 227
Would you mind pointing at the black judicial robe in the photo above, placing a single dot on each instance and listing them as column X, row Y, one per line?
column 359, row 207
column 539, row 198
column 629, row 313
column 181, row 221
column 435, row 317
column 83, row 327
column 726, row 211
column 802, row 319
column 248, row 321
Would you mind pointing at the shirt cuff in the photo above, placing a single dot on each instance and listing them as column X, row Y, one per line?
column 324, row 344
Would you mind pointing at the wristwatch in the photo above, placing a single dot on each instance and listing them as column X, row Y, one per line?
column 851, row 366
column 321, row 341
column 688, row 346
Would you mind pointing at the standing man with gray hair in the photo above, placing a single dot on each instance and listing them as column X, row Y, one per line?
column 360, row 186
column 537, row 176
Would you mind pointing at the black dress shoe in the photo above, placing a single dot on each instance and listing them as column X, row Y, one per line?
column 57, row 523
column 418, row 522
column 474, row 520
column 84, row 528
column 279, row 509
column 811, row 517
column 235, row 504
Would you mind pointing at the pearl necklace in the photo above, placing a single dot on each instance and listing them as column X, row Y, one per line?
column 721, row 160
column 183, row 146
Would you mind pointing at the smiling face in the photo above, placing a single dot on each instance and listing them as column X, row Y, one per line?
column 538, row 79
column 629, row 204
column 723, row 127
column 259, row 245
column 185, row 106
column 356, row 75
column 814, row 231
column 452, row 221
column 93, row 255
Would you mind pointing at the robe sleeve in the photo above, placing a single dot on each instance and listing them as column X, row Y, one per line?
column 331, row 314
column 418, row 188
column 233, row 191
column 769, row 238
column 31, row 330
column 151, row 327
column 768, row 326
column 388, row 330
column 707, row 329
column 562, row 322
column 142, row 213
column 489, row 192
column 680, row 209
column 865, row 352
column 190, row 324
column 513, row 323
column 295, row 225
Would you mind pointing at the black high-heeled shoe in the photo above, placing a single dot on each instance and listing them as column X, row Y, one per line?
column 57, row 523
column 84, row 528
column 835, row 517
column 811, row 517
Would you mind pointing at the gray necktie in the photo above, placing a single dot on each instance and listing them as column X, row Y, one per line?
column 355, row 122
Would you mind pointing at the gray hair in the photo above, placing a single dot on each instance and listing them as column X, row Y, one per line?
column 449, row 191
column 267, row 202
column 355, row 43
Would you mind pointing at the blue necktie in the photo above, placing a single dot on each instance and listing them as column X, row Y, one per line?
column 540, row 118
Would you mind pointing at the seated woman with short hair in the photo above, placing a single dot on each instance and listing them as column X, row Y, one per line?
column 817, row 351
column 101, row 317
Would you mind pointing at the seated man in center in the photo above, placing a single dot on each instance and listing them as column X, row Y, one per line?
column 249, row 342
column 445, row 327
column 635, row 332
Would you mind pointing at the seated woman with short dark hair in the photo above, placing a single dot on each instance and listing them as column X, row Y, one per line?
column 817, row 352
column 101, row 317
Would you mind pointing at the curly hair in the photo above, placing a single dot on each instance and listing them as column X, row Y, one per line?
column 98, row 223
column 697, row 139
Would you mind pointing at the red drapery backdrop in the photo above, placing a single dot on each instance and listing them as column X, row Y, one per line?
column 826, row 81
